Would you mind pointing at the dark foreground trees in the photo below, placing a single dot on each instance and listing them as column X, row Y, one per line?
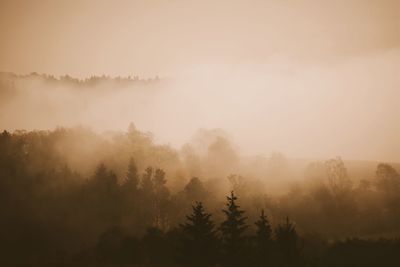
column 263, row 246
column 199, row 245
column 232, row 234
column 51, row 215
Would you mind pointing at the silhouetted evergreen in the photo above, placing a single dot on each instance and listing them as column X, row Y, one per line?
column 288, row 244
column 199, row 245
column 263, row 241
column 232, row 234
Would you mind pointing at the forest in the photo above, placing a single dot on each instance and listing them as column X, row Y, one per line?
column 73, row 197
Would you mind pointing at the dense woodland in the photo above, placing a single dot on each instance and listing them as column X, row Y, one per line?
column 70, row 197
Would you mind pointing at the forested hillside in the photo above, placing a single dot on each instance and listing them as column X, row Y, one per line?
column 70, row 197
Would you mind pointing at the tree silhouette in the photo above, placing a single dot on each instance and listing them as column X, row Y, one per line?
column 288, row 244
column 131, row 194
column 161, row 194
column 159, row 182
column 232, row 230
column 199, row 241
column 132, row 176
column 263, row 241
column 264, row 230
column 105, row 180
column 146, row 183
column 195, row 189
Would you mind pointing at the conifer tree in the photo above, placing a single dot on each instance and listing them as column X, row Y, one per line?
column 199, row 240
column 232, row 230
column 264, row 230
column 263, row 241
column 288, row 244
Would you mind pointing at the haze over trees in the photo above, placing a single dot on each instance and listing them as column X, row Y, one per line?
column 71, row 197
column 199, row 133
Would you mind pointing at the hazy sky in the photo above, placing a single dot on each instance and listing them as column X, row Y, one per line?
column 307, row 78
column 156, row 36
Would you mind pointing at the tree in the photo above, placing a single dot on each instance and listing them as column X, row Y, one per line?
column 338, row 180
column 104, row 195
column 159, row 182
column 106, row 181
column 146, row 209
column 199, row 241
column 232, row 230
column 130, row 194
column 195, row 189
column 161, row 194
column 388, row 183
column 387, row 178
column 146, row 183
column 287, row 241
column 132, row 176
column 263, row 240
column 264, row 231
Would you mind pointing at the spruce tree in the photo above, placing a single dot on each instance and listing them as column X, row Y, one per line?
column 232, row 230
column 288, row 244
column 263, row 241
column 199, row 240
column 264, row 231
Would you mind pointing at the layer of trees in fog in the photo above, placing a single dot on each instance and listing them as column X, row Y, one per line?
column 71, row 197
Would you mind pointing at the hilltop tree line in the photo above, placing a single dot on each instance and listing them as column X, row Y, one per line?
column 6, row 78
column 130, row 215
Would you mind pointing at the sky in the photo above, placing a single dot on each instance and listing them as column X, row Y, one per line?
column 155, row 37
column 307, row 78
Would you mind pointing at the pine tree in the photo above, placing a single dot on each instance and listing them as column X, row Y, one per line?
column 264, row 231
column 199, row 241
column 263, row 241
column 288, row 244
column 232, row 230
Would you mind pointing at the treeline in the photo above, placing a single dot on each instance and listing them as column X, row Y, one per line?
column 129, row 214
column 6, row 78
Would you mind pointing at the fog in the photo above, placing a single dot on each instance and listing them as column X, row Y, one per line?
column 307, row 79
column 347, row 108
